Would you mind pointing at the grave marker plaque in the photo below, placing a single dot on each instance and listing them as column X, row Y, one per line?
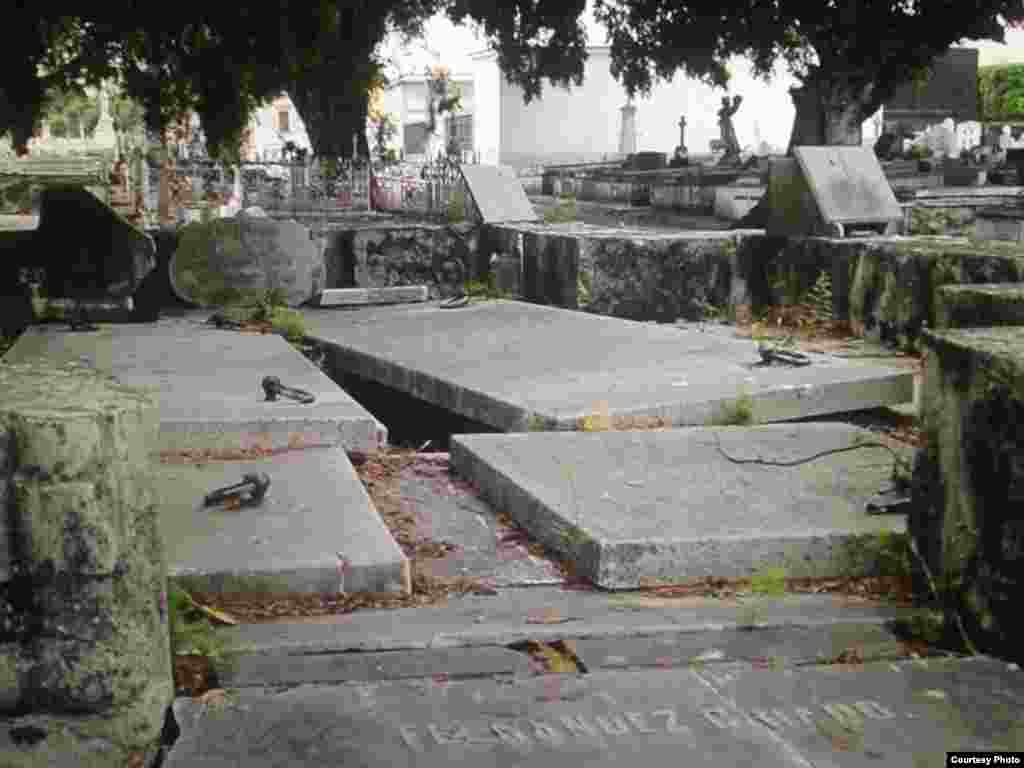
column 498, row 194
column 830, row 191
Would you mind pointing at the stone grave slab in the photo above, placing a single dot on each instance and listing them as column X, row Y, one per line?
column 209, row 382
column 315, row 511
column 516, row 366
column 826, row 190
column 898, row 714
column 498, row 194
column 349, row 297
column 629, row 507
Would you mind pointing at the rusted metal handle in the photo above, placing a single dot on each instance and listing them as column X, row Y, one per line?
column 253, row 484
column 273, row 388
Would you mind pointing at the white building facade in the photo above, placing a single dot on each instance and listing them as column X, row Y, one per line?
column 406, row 100
column 585, row 123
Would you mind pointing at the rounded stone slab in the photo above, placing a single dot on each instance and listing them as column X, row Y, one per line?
column 243, row 257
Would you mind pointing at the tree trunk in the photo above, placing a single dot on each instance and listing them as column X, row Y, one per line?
column 826, row 115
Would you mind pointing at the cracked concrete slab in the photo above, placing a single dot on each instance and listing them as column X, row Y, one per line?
column 508, row 364
column 900, row 714
column 316, row 508
column 627, row 508
column 209, row 383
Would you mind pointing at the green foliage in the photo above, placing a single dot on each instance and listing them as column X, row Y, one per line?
column 564, row 211
column 456, row 208
column 769, row 581
column 820, row 298
column 584, row 287
column 288, row 322
column 739, row 412
column 1001, row 93
column 483, row 289
column 881, row 554
column 192, row 633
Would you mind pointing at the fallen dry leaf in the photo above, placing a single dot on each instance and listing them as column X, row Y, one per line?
column 215, row 697
column 546, row 616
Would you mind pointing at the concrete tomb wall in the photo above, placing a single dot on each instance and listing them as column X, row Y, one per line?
column 85, row 659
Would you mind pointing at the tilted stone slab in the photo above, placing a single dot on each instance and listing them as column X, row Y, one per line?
column 209, row 382
column 350, row 297
column 517, row 366
column 900, row 714
column 316, row 511
column 628, row 507
column 89, row 251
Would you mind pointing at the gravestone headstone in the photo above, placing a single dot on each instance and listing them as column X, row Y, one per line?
column 498, row 194
column 828, row 191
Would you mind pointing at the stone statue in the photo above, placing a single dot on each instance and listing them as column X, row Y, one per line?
column 1006, row 139
column 732, row 145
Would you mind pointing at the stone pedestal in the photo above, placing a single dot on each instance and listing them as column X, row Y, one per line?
column 627, row 133
column 85, row 665
column 968, row 498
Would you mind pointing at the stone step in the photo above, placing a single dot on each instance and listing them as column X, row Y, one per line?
column 636, row 507
column 316, row 512
column 210, row 384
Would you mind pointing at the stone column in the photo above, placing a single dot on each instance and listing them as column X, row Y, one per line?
column 682, row 131
column 627, row 134
column 85, row 664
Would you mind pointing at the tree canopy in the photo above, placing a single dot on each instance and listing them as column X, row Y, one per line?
column 222, row 61
column 848, row 55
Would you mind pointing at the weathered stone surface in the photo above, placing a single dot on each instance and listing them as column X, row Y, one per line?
column 969, row 478
column 980, row 305
column 85, row 647
column 243, row 257
column 347, row 297
column 630, row 273
column 884, row 286
column 667, row 505
column 384, row 255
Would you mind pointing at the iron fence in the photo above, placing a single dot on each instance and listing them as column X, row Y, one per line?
column 199, row 187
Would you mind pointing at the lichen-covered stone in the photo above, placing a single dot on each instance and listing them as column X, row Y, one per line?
column 86, row 650
column 885, row 287
column 986, row 304
column 395, row 254
column 240, row 258
column 968, row 510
